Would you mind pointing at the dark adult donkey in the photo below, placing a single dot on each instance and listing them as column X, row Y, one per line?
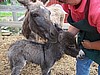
column 37, row 20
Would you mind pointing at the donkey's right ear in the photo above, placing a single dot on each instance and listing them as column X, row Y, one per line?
column 24, row 2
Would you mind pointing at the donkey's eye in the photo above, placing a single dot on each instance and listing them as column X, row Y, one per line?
column 49, row 13
column 51, row 34
column 72, row 46
column 35, row 15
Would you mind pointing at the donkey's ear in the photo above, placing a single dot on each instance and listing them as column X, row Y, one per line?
column 44, row 1
column 24, row 2
column 60, row 36
column 25, row 27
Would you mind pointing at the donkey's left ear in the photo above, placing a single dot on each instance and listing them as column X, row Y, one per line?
column 24, row 2
column 44, row 1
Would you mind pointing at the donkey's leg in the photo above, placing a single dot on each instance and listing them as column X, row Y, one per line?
column 46, row 69
column 17, row 66
column 49, row 71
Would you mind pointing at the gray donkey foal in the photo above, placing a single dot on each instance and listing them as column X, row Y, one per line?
column 44, row 55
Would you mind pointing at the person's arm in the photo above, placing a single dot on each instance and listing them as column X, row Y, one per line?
column 94, row 20
column 91, row 45
column 73, row 30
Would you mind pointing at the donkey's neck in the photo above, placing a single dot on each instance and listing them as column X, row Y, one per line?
column 55, row 49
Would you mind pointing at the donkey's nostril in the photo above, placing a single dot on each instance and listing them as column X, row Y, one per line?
column 35, row 15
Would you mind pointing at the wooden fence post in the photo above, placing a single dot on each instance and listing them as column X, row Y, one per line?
column 13, row 2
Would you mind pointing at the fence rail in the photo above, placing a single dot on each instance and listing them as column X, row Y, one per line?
column 17, row 22
column 12, row 8
column 12, row 23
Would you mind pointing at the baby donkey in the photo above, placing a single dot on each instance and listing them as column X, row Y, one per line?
column 45, row 55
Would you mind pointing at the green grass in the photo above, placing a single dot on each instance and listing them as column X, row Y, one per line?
column 6, row 14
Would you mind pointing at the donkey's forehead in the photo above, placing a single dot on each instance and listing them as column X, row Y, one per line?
column 39, row 9
column 34, row 7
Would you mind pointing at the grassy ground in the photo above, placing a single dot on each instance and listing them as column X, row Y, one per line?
column 8, row 15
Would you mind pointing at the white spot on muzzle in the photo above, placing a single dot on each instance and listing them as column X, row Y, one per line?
column 42, row 7
column 81, row 54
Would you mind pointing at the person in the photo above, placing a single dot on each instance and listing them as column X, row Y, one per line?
column 1, row 0
column 84, row 20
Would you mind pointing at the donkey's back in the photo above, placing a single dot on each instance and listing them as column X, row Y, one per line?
column 25, row 50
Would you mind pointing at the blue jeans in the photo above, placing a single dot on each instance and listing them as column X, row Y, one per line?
column 83, row 66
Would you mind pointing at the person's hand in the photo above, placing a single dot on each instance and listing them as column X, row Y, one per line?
column 86, row 44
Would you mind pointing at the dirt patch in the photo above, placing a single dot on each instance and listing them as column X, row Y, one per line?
column 65, row 66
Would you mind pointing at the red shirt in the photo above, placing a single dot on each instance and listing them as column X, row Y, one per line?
column 1, row 0
column 93, row 15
